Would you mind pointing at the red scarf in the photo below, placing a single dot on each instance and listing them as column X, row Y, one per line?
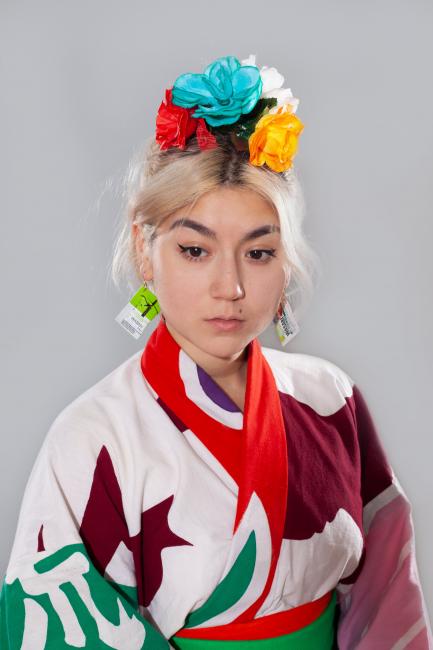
column 255, row 457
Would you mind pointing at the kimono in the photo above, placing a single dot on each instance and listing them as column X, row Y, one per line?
column 159, row 515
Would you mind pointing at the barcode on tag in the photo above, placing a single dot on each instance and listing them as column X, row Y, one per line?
column 137, row 314
column 132, row 321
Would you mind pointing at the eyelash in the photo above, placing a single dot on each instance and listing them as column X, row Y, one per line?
column 270, row 252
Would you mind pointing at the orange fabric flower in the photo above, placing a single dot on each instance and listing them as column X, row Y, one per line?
column 275, row 139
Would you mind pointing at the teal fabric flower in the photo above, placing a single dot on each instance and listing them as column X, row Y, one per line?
column 222, row 93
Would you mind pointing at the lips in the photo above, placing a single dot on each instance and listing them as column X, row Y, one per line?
column 224, row 324
column 225, row 318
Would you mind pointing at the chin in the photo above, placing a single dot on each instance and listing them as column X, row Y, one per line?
column 224, row 345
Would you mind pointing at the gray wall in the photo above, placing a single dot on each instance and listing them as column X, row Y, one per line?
column 81, row 84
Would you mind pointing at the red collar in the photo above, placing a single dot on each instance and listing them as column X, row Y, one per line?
column 255, row 456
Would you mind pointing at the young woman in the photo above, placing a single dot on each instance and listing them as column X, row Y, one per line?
column 210, row 492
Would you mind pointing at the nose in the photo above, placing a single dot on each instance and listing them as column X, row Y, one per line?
column 227, row 281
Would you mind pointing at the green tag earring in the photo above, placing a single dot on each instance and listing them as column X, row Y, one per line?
column 139, row 312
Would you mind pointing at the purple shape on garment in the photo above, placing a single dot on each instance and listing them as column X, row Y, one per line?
column 215, row 392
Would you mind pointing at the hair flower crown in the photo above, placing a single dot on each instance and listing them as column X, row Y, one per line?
column 236, row 98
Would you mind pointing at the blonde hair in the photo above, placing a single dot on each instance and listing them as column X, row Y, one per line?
column 159, row 182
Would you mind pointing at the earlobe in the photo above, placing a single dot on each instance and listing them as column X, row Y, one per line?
column 146, row 270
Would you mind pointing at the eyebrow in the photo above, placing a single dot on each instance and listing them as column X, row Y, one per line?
column 207, row 232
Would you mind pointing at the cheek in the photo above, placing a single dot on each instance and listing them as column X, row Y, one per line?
column 177, row 286
column 265, row 288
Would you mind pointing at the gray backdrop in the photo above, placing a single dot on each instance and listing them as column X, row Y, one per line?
column 81, row 84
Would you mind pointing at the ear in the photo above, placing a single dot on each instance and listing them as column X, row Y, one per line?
column 143, row 259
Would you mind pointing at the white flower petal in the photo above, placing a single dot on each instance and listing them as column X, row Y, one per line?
column 284, row 96
column 285, row 107
column 271, row 79
column 272, row 82
column 251, row 60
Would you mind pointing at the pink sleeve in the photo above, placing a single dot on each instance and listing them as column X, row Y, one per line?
column 382, row 606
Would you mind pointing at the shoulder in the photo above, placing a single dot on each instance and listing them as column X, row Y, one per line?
column 312, row 380
column 95, row 417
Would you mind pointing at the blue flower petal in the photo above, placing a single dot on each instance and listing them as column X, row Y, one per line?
column 230, row 64
column 190, row 89
column 214, row 117
column 222, row 93
column 250, row 102
column 220, row 74
column 247, row 80
column 222, row 90
column 222, row 83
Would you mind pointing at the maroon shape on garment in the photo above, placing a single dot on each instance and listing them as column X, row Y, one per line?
column 147, row 545
column 376, row 473
column 41, row 546
column 335, row 461
column 322, row 454
column 104, row 526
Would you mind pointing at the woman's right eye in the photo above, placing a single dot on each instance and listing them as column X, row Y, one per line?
column 192, row 253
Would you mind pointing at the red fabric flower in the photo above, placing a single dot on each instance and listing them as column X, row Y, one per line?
column 174, row 124
column 205, row 138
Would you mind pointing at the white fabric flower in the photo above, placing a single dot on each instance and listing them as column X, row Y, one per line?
column 272, row 81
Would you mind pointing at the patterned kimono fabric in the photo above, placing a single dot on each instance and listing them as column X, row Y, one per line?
column 256, row 458
column 158, row 516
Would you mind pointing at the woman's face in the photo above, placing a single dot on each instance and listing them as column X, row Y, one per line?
column 218, row 275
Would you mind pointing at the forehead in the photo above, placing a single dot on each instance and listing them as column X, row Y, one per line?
column 228, row 208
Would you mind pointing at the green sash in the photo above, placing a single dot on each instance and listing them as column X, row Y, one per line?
column 318, row 635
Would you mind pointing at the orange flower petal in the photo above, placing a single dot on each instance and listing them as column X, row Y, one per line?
column 275, row 139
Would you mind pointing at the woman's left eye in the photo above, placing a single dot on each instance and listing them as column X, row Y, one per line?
column 257, row 254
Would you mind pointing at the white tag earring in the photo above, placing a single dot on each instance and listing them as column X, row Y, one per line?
column 138, row 312
column 285, row 322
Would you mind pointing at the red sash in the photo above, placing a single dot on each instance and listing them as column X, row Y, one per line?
column 255, row 457
column 265, row 627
